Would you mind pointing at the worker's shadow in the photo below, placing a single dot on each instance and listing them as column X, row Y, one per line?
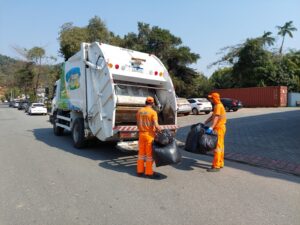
column 110, row 157
column 124, row 161
column 125, row 164
column 188, row 164
column 121, row 161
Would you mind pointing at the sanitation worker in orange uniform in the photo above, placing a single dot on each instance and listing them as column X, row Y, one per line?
column 148, row 126
column 218, row 124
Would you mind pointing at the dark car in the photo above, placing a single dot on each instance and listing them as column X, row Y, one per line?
column 231, row 104
column 11, row 103
column 22, row 105
column 27, row 106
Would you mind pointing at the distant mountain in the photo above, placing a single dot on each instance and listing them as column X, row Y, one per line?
column 8, row 67
column 4, row 60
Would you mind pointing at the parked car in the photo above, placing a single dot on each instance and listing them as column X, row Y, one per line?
column 183, row 106
column 11, row 103
column 27, row 106
column 23, row 104
column 200, row 105
column 16, row 103
column 37, row 108
column 231, row 104
column 20, row 105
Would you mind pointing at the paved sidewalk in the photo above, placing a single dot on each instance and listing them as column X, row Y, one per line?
column 270, row 140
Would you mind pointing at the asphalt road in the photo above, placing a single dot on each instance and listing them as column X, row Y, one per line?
column 44, row 180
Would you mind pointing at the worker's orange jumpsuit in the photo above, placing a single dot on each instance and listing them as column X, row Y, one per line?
column 220, row 129
column 146, row 121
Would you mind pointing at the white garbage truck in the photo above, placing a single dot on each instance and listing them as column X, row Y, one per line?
column 102, row 87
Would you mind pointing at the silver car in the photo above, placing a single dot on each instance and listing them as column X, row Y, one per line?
column 200, row 105
column 183, row 106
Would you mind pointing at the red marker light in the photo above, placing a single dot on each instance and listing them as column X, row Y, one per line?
column 155, row 73
column 117, row 66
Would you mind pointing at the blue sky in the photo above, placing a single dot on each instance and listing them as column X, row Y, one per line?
column 205, row 26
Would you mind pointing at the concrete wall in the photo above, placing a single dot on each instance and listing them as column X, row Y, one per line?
column 292, row 98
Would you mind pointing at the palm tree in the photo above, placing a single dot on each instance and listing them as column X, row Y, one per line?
column 287, row 28
column 267, row 38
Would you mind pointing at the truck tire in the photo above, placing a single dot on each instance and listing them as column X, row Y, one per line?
column 78, row 133
column 58, row 131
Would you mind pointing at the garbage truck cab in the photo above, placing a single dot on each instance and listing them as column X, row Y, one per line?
column 102, row 87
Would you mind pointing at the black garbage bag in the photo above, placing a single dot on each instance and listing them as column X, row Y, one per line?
column 207, row 142
column 166, row 155
column 199, row 142
column 192, row 140
column 164, row 138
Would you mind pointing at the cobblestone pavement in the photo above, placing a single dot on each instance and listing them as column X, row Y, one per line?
column 266, row 137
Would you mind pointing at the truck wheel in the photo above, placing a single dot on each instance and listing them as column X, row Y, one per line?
column 195, row 111
column 78, row 133
column 58, row 131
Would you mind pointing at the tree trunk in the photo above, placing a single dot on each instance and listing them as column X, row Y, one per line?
column 280, row 49
column 38, row 78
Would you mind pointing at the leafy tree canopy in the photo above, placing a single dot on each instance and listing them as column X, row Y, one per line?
column 153, row 40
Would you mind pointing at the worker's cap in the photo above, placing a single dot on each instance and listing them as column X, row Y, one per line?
column 149, row 99
column 214, row 95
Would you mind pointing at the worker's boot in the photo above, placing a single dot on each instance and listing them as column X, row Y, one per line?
column 140, row 174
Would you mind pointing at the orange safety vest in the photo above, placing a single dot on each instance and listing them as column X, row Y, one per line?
column 219, row 110
column 146, row 120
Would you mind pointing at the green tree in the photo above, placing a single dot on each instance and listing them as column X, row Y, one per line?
column 70, row 39
column 152, row 40
column 222, row 78
column 268, row 39
column 169, row 49
column 289, row 70
column 201, row 86
column 25, row 76
column 254, row 64
column 284, row 30
column 36, row 54
column 97, row 31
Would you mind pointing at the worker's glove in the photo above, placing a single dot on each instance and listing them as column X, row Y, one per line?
column 209, row 130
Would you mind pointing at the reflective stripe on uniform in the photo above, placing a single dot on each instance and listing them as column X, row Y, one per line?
column 149, row 158
column 219, row 150
column 141, row 157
